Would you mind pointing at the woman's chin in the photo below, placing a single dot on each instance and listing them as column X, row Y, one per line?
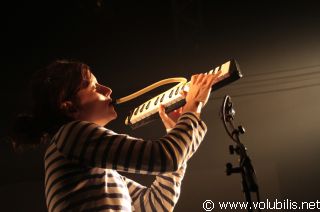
column 111, row 116
column 115, row 115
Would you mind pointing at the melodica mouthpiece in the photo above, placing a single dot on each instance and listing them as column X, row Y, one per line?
column 114, row 102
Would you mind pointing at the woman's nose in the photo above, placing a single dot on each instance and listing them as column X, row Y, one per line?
column 106, row 90
column 109, row 90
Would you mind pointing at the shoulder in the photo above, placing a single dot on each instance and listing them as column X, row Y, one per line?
column 80, row 127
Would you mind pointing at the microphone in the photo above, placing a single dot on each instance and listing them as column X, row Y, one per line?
column 227, row 110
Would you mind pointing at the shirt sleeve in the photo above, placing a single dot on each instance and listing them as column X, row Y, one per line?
column 196, row 143
column 162, row 195
column 96, row 146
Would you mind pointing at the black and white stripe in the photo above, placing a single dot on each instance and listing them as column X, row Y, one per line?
column 83, row 158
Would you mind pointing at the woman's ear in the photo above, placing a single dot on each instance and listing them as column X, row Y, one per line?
column 68, row 108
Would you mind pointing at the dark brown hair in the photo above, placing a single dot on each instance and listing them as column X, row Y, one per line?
column 58, row 82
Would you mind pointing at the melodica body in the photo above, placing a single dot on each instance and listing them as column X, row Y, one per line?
column 172, row 99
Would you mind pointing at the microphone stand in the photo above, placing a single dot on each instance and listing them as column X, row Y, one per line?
column 245, row 168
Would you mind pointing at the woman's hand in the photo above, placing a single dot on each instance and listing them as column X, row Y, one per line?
column 197, row 96
column 199, row 92
column 169, row 120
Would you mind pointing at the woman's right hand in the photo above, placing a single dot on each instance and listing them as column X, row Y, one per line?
column 199, row 92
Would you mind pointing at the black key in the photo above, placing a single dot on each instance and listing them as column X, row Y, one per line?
column 170, row 95
column 176, row 93
column 141, row 109
column 148, row 105
column 156, row 102
column 136, row 111
column 161, row 100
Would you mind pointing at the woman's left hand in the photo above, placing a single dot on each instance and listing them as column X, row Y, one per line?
column 169, row 120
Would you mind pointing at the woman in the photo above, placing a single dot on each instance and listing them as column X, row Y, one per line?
column 83, row 157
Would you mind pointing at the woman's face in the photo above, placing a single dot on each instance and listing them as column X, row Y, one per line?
column 94, row 103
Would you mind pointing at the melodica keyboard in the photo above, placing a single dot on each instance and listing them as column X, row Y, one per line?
column 172, row 99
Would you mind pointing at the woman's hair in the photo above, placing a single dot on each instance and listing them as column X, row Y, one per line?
column 58, row 82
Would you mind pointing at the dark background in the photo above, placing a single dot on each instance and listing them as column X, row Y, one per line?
column 131, row 44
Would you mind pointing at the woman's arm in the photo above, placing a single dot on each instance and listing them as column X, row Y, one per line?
column 96, row 146
column 162, row 195
column 164, row 192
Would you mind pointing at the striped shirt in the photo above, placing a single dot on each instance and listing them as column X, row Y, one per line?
column 83, row 160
